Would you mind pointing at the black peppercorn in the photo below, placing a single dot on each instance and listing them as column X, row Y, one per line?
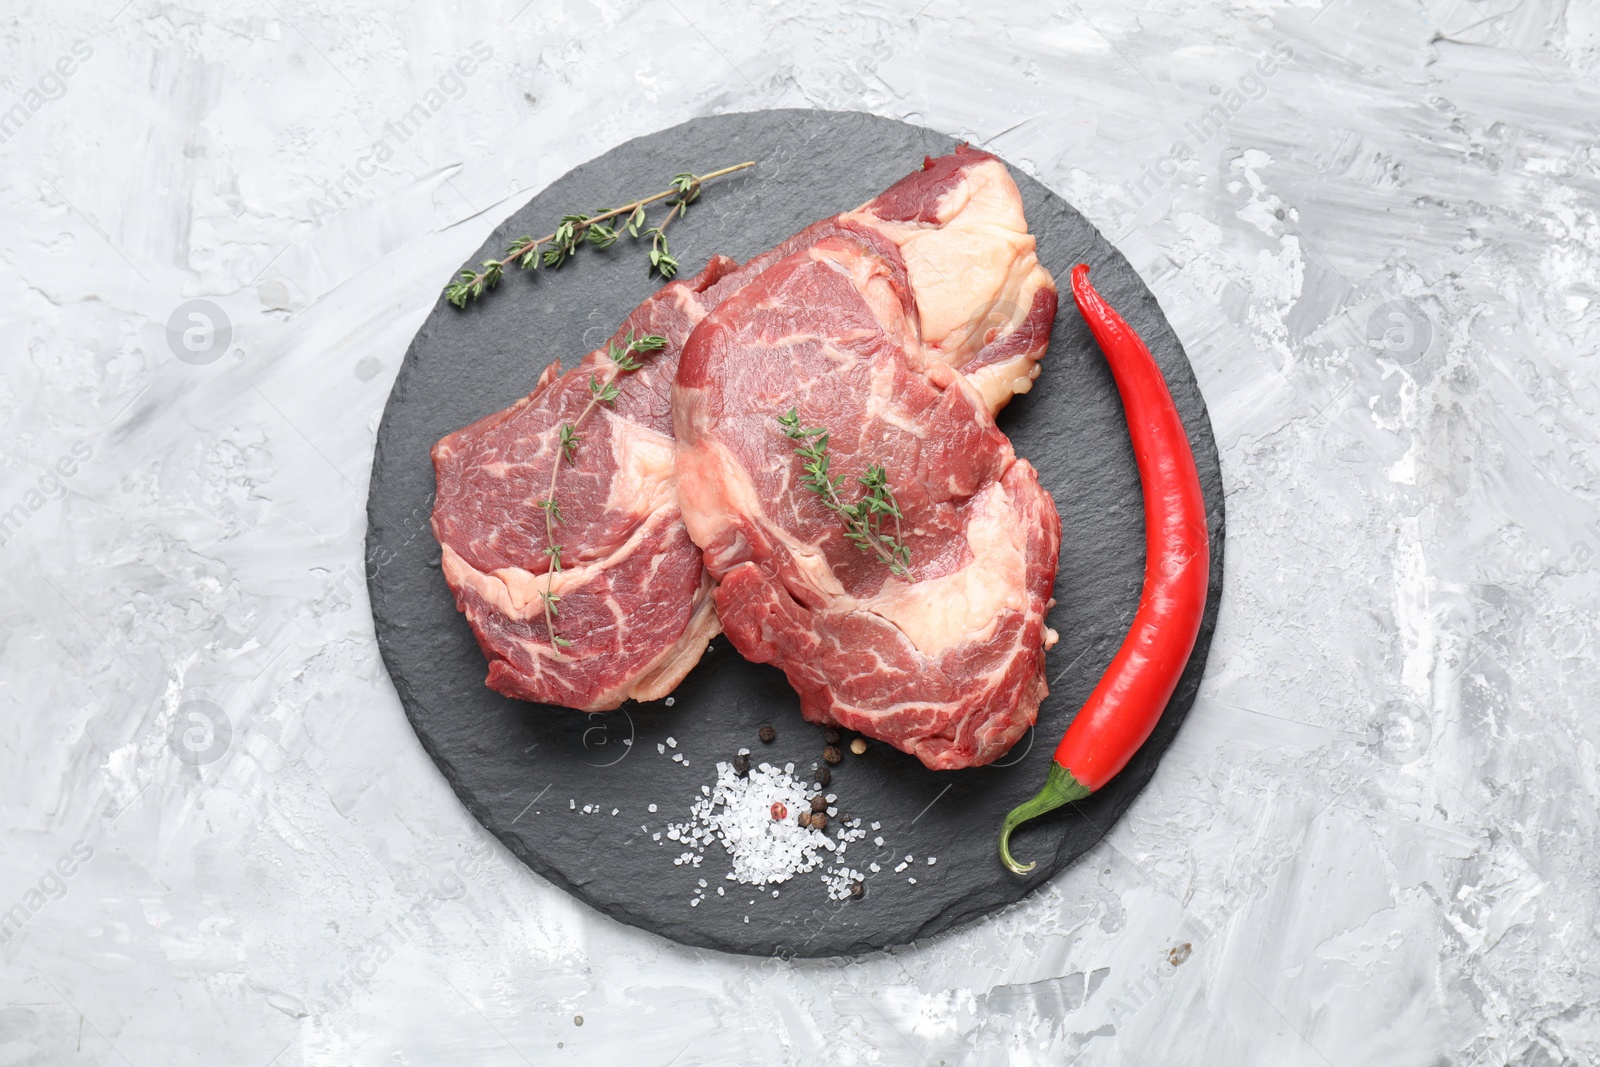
column 819, row 803
column 819, row 820
column 768, row 734
column 805, row 818
column 830, row 736
column 832, row 754
column 741, row 765
column 824, row 776
column 857, row 889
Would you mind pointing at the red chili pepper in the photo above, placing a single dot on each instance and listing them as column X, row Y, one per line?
column 1134, row 690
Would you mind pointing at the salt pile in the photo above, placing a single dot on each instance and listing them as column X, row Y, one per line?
column 764, row 850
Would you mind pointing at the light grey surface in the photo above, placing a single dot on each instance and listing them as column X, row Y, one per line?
column 1373, row 841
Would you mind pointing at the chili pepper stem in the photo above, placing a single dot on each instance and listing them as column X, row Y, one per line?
column 1060, row 787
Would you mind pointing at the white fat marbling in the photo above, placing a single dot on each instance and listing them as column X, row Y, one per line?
column 1375, row 839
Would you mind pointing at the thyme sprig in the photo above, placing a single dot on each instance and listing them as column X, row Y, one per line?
column 863, row 520
column 601, row 391
column 599, row 229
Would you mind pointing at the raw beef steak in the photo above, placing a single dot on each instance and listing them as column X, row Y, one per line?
column 635, row 600
column 899, row 327
column 984, row 304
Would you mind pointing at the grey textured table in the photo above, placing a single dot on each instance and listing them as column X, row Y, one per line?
column 1375, row 233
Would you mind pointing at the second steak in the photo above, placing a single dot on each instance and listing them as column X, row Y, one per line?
column 860, row 328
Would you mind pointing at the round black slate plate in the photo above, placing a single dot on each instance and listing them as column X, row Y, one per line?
column 527, row 772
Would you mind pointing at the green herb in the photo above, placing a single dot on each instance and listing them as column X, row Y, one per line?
column 863, row 520
column 601, row 391
column 574, row 231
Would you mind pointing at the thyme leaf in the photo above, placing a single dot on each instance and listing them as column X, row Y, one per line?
column 604, row 388
column 863, row 519
column 576, row 230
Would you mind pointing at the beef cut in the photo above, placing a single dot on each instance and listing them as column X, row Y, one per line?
column 900, row 327
column 635, row 600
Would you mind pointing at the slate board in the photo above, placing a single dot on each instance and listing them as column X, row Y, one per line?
column 520, row 768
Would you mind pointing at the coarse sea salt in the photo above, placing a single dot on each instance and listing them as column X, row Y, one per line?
column 839, row 879
column 737, row 814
